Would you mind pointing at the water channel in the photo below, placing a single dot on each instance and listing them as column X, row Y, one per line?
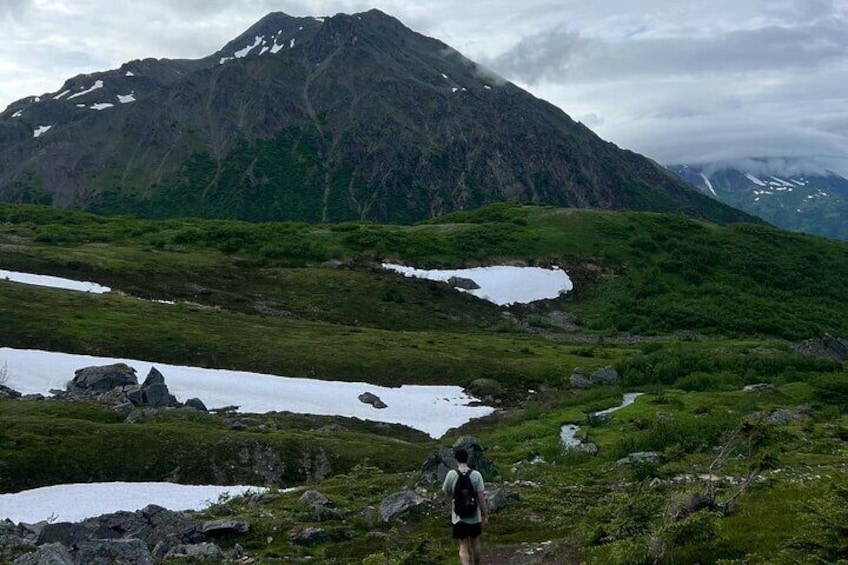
column 569, row 431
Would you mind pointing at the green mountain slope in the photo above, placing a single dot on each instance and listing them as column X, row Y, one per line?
column 355, row 117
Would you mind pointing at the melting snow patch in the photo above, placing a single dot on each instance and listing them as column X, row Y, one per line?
column 709, row 184
column 37, row 133
column 243, row 52
column 53, row 282
column 291, row 43
column 501, row 285
column 276, row 48
column 264, row 49
column 80, row 105
column 754, row 179
column 224, row 60
column 17, row 114
column 432, row 409
column 444, row 76
column 77, row 502
column 97, row 84
column 454, row 89
column 126, row 98
column 130, row 74
column 487, row 87
column 101, row 106
column 63, row 93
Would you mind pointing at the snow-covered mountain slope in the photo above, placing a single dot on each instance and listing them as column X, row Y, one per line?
column 811, row 202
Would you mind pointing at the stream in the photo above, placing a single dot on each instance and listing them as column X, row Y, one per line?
column 569, row 431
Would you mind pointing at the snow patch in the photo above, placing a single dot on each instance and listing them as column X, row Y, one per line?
column 709, row 184
column 454, row 89
column 130, row 74
column 754, row 179
column 61, row 94
column 429, row 408
column 264, row 50
column 101, row 106
column 224, row 60
column 291, row 43
column 37, row 133
column 97, row 84
column 76, row 502
column 126, row 98
column 243, row 52
column 17, row 114
column 53, row 282
column 502, row 285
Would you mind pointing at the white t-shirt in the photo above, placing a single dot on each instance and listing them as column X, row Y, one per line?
column 450, row 483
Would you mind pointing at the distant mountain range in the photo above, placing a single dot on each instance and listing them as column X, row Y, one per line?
column 815, row 202
column 350, row 117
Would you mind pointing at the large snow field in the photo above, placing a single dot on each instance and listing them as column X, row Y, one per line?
column 431, row 409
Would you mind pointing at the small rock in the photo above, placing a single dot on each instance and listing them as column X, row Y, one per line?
column 463, row 283
column 372, row 399
column 309, row 535
column 197, row 404
column 221, row 528
column 399, row 503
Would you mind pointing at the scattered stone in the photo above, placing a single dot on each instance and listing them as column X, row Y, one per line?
column 640, row 457
column 577, row 380
column 370, row 516
column 309, row 535
column 6, row 392
column 313, row 497
column 463, row 283
column 197, row 404
column 205, row 550
column 399, row 503
column 759, row 387
column 113, row 551
column 589, row 447
column 223, row 528
column 497, row 500
column 49, row 554
column 372, row 399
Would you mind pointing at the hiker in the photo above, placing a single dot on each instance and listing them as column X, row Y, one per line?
column 469, row 512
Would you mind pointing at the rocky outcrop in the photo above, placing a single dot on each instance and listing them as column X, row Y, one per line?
column 640, row 458
column 436, row 466
column 322, row 507
column 578, row 379
column 828, row 346
column 6, row 392
column 309, row 535
column 605, row 376
column 489, row 391
column 463, row 283
column 397, row 504
column 121, row 537
column 117, row 385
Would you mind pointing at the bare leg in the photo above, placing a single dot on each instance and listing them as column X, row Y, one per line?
column 475, row 545
column 464, row 547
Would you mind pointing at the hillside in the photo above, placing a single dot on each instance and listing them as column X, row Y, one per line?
column 811, row 202
column 741, row 420
column 351, row 117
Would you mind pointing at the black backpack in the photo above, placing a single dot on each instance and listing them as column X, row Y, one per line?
column 464, row 496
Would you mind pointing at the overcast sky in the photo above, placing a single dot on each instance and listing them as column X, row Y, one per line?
column 678, row 80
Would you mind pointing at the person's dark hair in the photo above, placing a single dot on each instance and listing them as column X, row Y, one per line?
column 461, row 456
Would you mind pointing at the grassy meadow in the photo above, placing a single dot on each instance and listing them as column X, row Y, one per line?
column 686, row 311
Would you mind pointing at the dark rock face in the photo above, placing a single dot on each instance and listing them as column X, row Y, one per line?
column 430, row 132
column 6, row 392
column 121, row 538
column 463, row 283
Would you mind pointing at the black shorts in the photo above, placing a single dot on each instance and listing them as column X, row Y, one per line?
column 461, row 530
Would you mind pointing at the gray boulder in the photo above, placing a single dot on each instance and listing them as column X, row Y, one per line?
column 154, row 377
column 463, row 283
column 224, row 528
column 487, row 390
column 197, row 404
column 49, row 554
column 6, row 392
column 309, row 535
column 157, row 396
column 114, row 551
column 313, row 497
column 102, row 378
column 577, row 380
column 205, row 550
column 372, row 399
column 497, row 500
column 605, row 376
column 397, row 504
column 640, row 457
column 66, row 533
column 589, row 447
